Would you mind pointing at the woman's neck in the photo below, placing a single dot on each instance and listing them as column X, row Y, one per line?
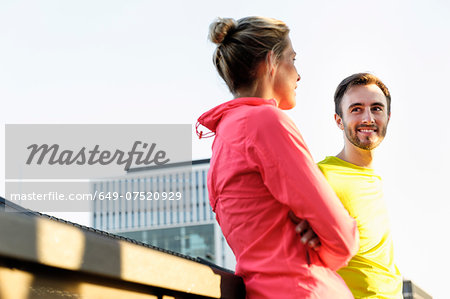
column 259, row 90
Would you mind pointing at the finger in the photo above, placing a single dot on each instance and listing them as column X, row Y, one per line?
column 308, row 236
column 294, row 218
column 302, row 227
column 314, row 243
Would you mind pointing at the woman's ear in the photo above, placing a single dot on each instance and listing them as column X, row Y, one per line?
column 271, row 63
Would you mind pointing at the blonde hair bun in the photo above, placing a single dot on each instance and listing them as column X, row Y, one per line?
column 244, row 44
column 219, row 29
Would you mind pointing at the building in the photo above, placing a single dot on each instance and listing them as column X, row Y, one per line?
column 164, row 206
column 412, row 291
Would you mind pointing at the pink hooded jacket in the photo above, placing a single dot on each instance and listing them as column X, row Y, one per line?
column 260, row 169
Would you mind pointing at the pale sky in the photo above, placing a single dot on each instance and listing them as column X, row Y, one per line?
column 149, row 62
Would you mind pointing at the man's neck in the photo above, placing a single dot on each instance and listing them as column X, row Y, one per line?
column 356, row 156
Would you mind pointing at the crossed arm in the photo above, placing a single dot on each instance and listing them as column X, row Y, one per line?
column 307, row 235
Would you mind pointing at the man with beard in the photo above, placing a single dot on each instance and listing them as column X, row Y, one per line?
column 362, row 106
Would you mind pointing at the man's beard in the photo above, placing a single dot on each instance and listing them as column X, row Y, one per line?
column 367, row 144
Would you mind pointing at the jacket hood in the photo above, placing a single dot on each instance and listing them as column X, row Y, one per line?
column 212, row 118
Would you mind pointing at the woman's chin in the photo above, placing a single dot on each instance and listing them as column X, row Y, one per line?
column 287, row 105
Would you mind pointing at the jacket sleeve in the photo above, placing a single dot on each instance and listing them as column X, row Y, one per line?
column 276, row 148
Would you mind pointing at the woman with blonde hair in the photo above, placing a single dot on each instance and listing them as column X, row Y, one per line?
column 261, row 169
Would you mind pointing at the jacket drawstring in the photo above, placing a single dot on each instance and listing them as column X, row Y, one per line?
column 200, row 133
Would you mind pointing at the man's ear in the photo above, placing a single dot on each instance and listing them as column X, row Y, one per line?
column 339, row 121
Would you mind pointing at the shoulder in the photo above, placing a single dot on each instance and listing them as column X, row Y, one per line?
column 333, row 171
column 327, row 164
column 265, row 112
column 270, row 129
column 267, row 119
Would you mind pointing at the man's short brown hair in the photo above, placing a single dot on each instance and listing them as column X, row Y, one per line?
column 359, row 79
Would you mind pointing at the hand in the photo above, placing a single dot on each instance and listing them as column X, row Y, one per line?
column 308, row 236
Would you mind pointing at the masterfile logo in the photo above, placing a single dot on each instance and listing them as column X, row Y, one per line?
column 53, row 167
column 94, row 156
column 91, row 151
